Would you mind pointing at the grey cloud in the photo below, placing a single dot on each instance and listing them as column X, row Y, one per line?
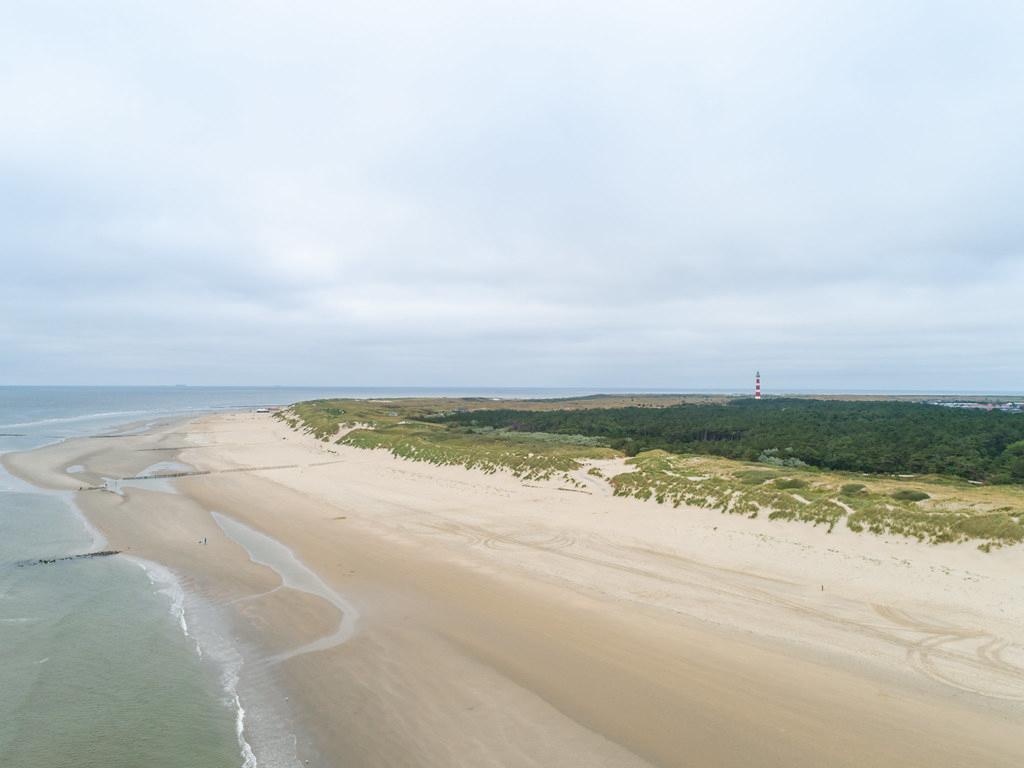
column 513, row 193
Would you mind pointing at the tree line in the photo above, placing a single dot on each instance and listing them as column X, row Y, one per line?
column 859, row 436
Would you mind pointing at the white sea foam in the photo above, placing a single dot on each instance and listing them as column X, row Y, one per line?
column 220, row 650
column 72, row 419
column 294, row 574
column 231, row 686
column 260, row 720
column 96, row 538
column 167, row 584
column 224, row 652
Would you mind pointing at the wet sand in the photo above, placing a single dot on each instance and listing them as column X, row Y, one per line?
column 435, row 616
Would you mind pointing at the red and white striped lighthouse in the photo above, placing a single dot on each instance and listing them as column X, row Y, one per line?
column 757, row 386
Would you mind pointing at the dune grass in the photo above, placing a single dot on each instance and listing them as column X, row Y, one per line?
column 932, row 509
column 528, row 456
column 947, row 512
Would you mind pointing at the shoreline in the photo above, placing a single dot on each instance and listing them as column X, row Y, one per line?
column 205, row 626
column 170, row 585
column 503, row 623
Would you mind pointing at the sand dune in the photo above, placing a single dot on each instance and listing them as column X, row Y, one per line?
column 504, row 623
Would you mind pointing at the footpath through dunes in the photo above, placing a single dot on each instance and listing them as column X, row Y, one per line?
column 503, row 622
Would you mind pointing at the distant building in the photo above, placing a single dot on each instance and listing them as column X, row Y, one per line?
column 971, row 405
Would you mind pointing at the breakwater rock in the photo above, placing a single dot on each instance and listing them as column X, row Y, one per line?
column 83, row 556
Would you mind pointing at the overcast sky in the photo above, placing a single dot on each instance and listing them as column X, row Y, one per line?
column 641, row 194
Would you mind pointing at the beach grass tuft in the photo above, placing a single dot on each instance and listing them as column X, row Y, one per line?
column 950, row 510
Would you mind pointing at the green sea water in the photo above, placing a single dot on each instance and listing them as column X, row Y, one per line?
column 98, row 668
column 95, row 670
column 107, row 662
column 94, row 667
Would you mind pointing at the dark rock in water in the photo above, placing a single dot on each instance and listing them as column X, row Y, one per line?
column 83, row 556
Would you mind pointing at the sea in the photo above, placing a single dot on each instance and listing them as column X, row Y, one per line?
column 98, row 666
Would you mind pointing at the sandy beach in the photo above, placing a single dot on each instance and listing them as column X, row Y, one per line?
column 405, row 614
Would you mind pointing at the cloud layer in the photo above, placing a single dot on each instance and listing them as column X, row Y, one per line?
column 513, row 193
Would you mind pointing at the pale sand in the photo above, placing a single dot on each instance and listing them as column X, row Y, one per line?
column 501, row 623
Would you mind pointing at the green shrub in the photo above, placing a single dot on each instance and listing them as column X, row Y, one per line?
column 907, row 494
column 790, row 482
column 852, row 489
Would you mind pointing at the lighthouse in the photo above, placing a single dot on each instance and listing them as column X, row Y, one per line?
column 757, row 386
